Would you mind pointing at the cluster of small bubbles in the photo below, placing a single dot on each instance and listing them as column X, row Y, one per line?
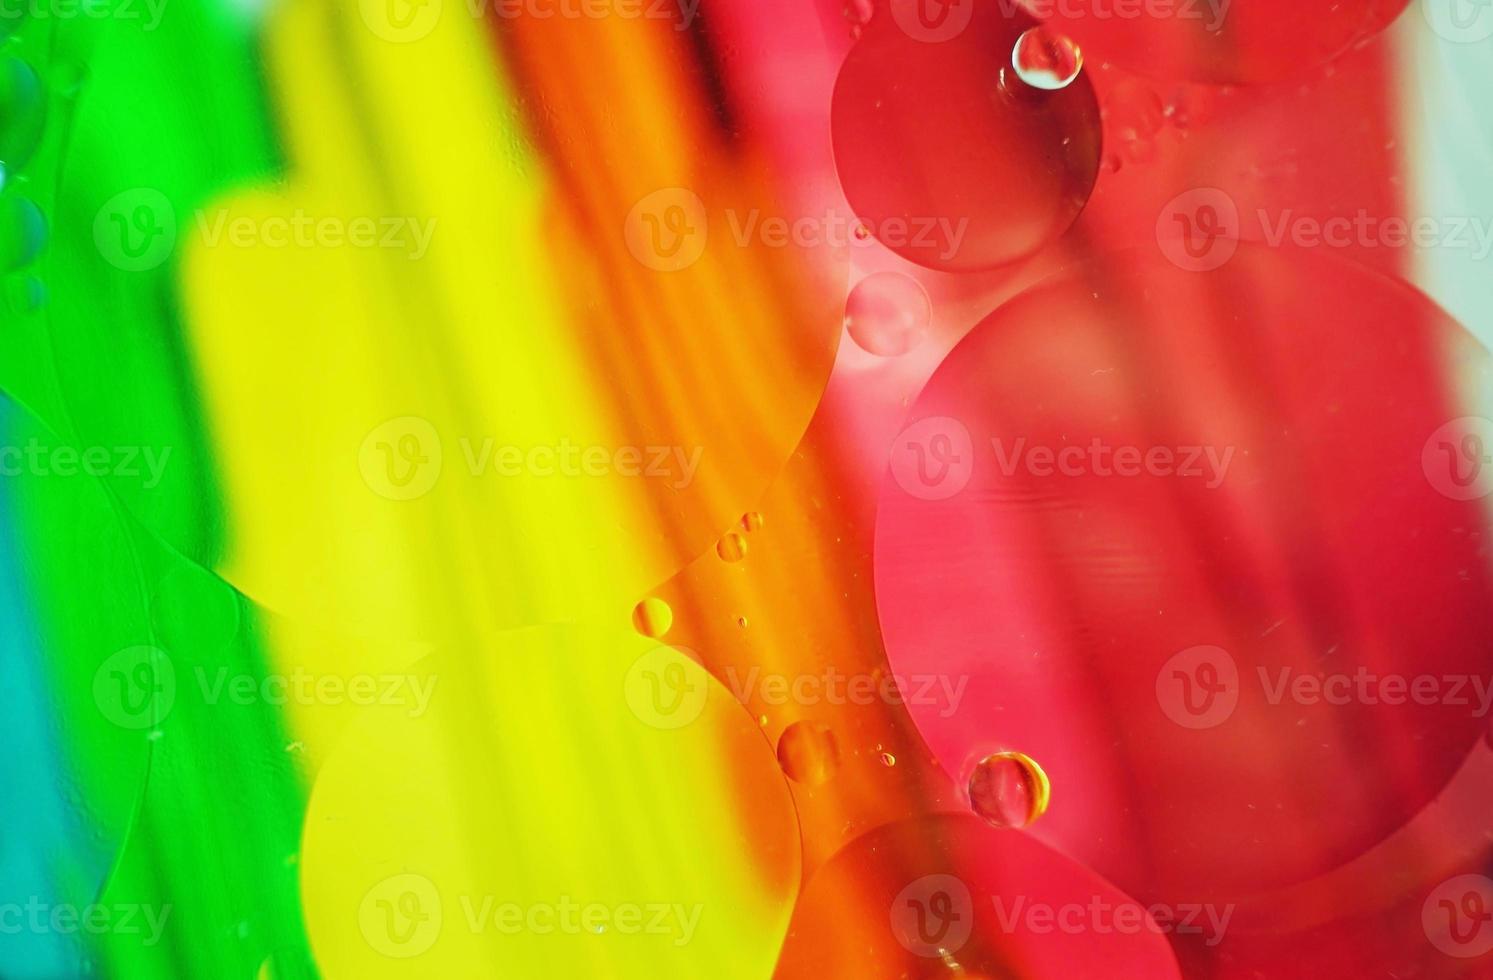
column 858, row 15
column 1045, row 59
column 1008, row 789
column 1134, row 115
column 808, row 752
column 1192, row 105
column 887, row 314
column 732, row 546
column 652, row 617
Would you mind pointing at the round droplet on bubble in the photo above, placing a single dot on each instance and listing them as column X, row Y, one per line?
column 887, row 314
column 731, row 547
column 1009, row 789
column 1133, row 111
column 1046, row 60
column 808, row 752
column 652, row 617
column 751, row 521
column 888, row 760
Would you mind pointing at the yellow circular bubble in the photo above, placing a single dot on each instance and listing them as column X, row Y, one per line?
column 530, row 823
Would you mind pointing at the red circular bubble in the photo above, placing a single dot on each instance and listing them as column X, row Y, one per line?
column 1197, row 566
column 951, row 160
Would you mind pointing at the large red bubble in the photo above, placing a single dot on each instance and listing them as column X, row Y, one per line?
column 1162, row 522
column 949, row 159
